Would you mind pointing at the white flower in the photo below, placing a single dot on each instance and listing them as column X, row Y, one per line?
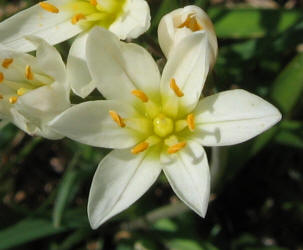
column 183, row 22
column 58, row 20
column 156, row 123
column 33, row 90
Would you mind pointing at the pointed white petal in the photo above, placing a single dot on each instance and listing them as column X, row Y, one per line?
column 232, row 117
column 49, row 59
column 90, row 123
column 188, row 65
column 134, row 22
column 118, row 67
column 189, row 177
column 119, row 181
column 54, row 28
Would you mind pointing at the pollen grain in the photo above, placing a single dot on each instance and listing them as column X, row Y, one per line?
column 140, row 148
column 175, row 88
column 140, row 94
column 49, row 7
column 7, row 62
column 175, row 148
column 117, row 118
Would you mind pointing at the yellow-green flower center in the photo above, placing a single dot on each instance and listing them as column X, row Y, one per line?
column 163, row 126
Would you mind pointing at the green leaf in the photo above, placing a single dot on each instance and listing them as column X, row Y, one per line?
column 254, row 22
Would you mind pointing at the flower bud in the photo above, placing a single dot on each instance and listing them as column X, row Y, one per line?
column 183, row 22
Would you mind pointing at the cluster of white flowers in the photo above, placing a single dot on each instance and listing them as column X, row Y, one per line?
column 153, row 122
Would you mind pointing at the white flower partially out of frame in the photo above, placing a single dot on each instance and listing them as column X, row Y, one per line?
column 59, row 20
column 183, row 22
column 156, row 123
column 33, row 89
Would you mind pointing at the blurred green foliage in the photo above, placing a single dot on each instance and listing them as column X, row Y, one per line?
column 258, row 185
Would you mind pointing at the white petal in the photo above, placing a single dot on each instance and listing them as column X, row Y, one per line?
column 54, row 28
column 189, row 177
column 118, row 67
column 119, row 181
column 232, row 117
column 170, row 34
column 77, row 70
column 90, row 123
column 134, row 22
column 189, row 66
column 48, row 59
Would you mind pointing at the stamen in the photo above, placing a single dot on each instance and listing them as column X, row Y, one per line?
column 76, row 18
column 93, row 2
column 13, row 99
column 191, row 122
column 175, row 88
column 175, row 148
column 1, row 77
column 140, row 148
column 7, row 62
column 49, row 7
column 140, row 94
column 1, row 97
column 191, row 23
column 117, row 118
column 22, row 91
column 28, row 73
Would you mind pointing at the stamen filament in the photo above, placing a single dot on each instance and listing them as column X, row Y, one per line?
column 7, row 62
column 175, row 88
column 29, row 73
column 13, row 99
column 140, row 94
column 117, row 118
column 175, row 148
column 49, row 7
column 191, row 122
column 140, row 147
column 76, row 18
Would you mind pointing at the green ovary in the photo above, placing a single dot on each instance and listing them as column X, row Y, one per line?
column 87, row 14
column 163, row 126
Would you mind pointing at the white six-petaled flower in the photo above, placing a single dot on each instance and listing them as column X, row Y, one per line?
column 33, row 89
column 156, row 123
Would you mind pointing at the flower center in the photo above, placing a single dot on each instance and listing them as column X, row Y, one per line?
column 163, row 126
column 88, row 13
column 17, row 79
column 191, row 23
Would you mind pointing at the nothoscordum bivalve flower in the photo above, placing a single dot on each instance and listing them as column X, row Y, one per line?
column 156, row 123
column 33, row 89
column 182, row 22
column 58, row 20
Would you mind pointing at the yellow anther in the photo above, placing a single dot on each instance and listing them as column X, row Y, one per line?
column 49, row 7
column 140, row 148
column 191, row 122
column 191, row 23
column 76, row 18
column 1, row 77
column 29, row 73
column 13, row 99
column 1, row 97
column 7, row 62
column 117, row 118
column 140, row 94
column 175, row 88
column 93, row 2
column 22, row 91
column 175, row 148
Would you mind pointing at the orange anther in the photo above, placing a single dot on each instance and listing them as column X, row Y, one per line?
column 49, row 7
column 175, row 148
column 76, row 18
column 191, row 122
column 1, row 77
column 1, row 97
column 191, row 23
column 93, row 2
column 29, row 73
column 141, row 95
column 140, row 148
column 13, row 99
column 117, row 118
column 175, row 88
column 7, row 62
